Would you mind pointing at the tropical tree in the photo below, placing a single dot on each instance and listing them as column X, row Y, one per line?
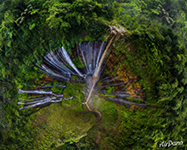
column 143, row 70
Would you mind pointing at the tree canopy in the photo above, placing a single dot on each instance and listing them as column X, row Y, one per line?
column 154, row 50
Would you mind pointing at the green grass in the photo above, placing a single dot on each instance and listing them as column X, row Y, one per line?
column 63, row 123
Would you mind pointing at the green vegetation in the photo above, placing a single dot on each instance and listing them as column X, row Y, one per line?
column 56, row 89
column 62, row 124
column 155, row 50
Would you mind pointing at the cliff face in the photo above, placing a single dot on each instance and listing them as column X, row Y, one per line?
column 116, row 66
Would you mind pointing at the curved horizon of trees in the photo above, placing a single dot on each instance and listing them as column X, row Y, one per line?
column 157, row 43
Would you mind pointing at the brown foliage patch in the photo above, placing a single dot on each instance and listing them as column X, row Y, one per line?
column 132, row 87
column 40, row 119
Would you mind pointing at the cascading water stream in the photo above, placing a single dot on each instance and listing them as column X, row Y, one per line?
column 60, row 66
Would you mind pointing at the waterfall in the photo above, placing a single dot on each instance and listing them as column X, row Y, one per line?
column 61, row 67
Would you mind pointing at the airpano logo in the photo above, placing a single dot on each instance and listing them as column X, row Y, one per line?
column 170, row 143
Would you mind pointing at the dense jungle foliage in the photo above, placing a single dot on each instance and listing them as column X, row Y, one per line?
column 155, row 51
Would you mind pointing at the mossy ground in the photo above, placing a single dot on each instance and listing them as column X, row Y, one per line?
column 69, row 122
column 62, row 123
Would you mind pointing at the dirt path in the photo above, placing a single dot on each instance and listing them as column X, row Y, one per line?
column 95, row 78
